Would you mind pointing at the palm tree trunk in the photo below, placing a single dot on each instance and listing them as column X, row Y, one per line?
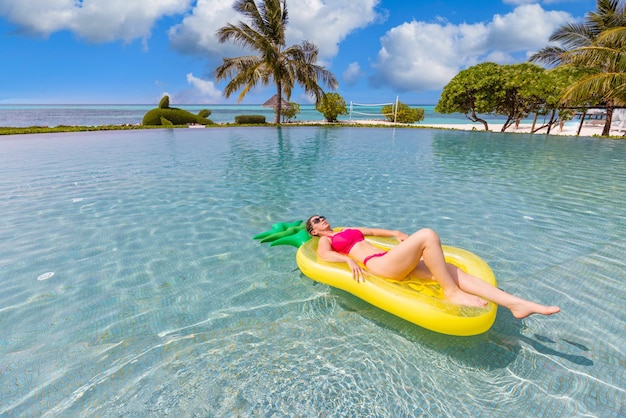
column 609, row 118
column 279, row 105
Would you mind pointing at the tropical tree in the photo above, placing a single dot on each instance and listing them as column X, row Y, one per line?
column 472, row 91
column 404, row 113
column 523, row 92
column 514, row 91
column 274, row 62
column 586, row 44
column 331, row 106
column 554, row 84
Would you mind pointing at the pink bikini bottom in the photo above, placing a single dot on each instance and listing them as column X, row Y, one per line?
column 372, row 256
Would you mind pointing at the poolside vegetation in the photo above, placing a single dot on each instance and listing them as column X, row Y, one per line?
column 332, row 105
column 249, row 119
column 65, row 128
column 290, row 112
column 164, row 115
column 264, row 33
column 404, row 113
column 598, row 45
column 588, row 70
column 514, row 91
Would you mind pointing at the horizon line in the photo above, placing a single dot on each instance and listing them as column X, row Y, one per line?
column 183, row 104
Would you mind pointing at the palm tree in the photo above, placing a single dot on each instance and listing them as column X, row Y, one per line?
column 609, row 53
column 576, row 35
column 585, row 45
column 275, row 62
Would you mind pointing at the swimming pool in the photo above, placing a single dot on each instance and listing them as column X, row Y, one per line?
column 157, row 301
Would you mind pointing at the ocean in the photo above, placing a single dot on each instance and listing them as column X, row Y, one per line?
column 125, row 114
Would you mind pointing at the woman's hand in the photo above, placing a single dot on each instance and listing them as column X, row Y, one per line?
column 357, row 271
column 400, row 236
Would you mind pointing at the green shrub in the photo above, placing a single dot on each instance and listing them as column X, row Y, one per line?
column 174, row 115
column 406, row 114
column 204, row 113
column 331, row 106
column 165, row 102
column 249, row 119
column 166, row 122
column 290, row 112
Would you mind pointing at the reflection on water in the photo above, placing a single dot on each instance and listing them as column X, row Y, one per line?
column 161, row 303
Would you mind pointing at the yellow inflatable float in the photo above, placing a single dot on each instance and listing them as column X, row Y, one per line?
column 418, row 301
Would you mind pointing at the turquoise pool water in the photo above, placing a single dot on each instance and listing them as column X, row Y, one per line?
column 131, row 285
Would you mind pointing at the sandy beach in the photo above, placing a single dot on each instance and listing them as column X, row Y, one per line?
column 589, row 128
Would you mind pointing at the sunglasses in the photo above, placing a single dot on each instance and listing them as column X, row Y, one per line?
column 314, row 221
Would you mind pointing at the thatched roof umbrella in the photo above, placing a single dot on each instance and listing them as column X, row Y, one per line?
column 273, row 102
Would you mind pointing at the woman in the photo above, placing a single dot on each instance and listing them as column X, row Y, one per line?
column 418, row 255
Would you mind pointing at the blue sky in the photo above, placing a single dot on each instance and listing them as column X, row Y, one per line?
column 134, row 51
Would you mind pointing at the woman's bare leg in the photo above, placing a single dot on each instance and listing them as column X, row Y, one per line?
column 520, row 308
column 405, row 259
column 458, row 286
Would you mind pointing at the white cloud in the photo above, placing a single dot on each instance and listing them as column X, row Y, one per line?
column 352, row 74
column 422, row 56
column 527, row 27
column 425, row 56
column 201, row 91
column 196, row 34
column 323, row 23
column 499, row 57
column 204, row 87
column 327, row 23
column 94, row 20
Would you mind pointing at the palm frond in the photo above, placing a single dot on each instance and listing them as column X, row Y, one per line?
column 264, row 33
column 550, row 55
column 615, row 37
column 249, row 9
column 608, row 59
column 573, row 35
column 600, row 87
column 609, row 14
column 231, row 65
column 597, row 46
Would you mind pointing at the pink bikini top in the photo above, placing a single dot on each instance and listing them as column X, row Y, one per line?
column 343, row 241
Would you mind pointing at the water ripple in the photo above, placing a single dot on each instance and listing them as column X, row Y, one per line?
column 162, row 304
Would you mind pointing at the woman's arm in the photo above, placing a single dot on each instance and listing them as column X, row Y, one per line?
column 325, row 251
column 377, row 232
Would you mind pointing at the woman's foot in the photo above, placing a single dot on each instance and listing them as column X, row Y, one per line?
column 461, row 298
column 525, row 308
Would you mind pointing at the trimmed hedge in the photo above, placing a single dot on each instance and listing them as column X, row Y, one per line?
column 174, row 115
column 204, row 113
column 166, row 122
column 249, row 119
column 165, row 115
